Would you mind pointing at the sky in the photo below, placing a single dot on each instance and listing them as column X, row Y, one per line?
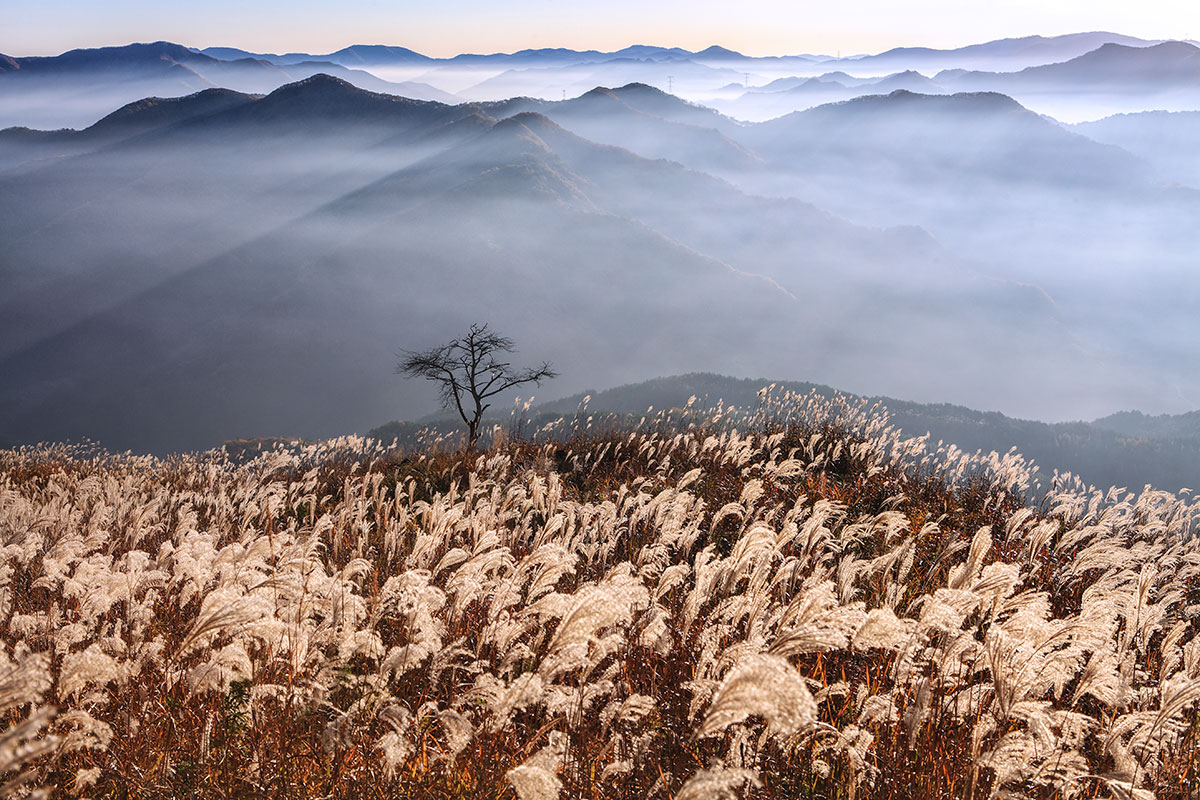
column 448, row 27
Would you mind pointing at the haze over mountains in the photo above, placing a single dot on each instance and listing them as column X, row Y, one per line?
column 245, row 257
column 76, row 88
column 79, row 86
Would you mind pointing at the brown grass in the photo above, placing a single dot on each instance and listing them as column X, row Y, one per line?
column 328, row 678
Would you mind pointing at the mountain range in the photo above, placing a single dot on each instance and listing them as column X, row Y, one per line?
column 1164, row 67
column 1164, row 139
column 44, row 92
column 1119, row 75
column 1015, row 53
column 239, row 262
column 247, row 262
column 82, row 85
column 1005, row 55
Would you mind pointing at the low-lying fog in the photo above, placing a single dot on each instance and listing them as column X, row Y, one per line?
column 229, row 265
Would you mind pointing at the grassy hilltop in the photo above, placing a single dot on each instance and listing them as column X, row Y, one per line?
column 797, row 602
column 1125, row 449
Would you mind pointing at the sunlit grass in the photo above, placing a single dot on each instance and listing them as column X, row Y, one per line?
column 791, row 601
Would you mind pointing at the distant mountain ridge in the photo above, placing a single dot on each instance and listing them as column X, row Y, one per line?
column 91, row 82
column 1031, row 49
column 116, row 75
column 1015, row 53
column 1155, row 68
column 383, row 55
column 268, row 241
column 357, row 55
column 1165, row 139
column 249, row 232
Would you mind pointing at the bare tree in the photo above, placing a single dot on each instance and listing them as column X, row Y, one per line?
column 469, row 371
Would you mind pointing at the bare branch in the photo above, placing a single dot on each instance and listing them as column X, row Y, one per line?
column 468, row 373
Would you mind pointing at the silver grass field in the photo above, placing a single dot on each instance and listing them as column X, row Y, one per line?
column 790, row 601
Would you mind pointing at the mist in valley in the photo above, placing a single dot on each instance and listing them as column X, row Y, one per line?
column 247, row 256
column 641, row 422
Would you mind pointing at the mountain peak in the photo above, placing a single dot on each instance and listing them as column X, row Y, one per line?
column 153, row 112
column 321, row 88
column 718, row 52
column 1172, row 50
column 903, row 101
column 136, row 51
column 324, row 97
column 599, row 92
column 325, row 81
column 533, row 121
column 644, row 89
column 377, row 55
column 649, row 98
column 643, row 51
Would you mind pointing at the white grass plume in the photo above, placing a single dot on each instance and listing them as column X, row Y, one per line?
column 766, row 686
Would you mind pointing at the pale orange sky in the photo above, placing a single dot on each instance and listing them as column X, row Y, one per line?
column 756, row 27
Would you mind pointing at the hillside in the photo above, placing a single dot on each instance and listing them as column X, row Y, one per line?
column 229, row 274
column 1001, row 54
column 1163, row 139
column 1128, row 449
column 1113, row 78
column 217, row 264
column 807, row 606
column 77, row 87
column 226, row 265
column 1111, row 67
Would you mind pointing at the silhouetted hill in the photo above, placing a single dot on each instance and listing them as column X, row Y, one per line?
column 1111, row 67
column 246, row 324
column 788, row 95
column 159, row 55
column 369, row 56
column 77, row 87
column 322, row 98
column 1014, row 53
column 1118, row 64
column 1165, row 139
column 907, row 80
column 148, row 60
column 1128, row 449
column 842, row 77
column 1051, row 48
column 374, row 55
column 361, row 56
column 22, row 145
column 817, row 86
column 655, row 101
column 718, row 53
column 984, row 133
column 643, row 51
column 256, row 256
column 579, row 77
column 207, row 282
column 1058, row 76
column 157, row 112
column 648, row 122
column 1000, row 54
column 320, row 102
